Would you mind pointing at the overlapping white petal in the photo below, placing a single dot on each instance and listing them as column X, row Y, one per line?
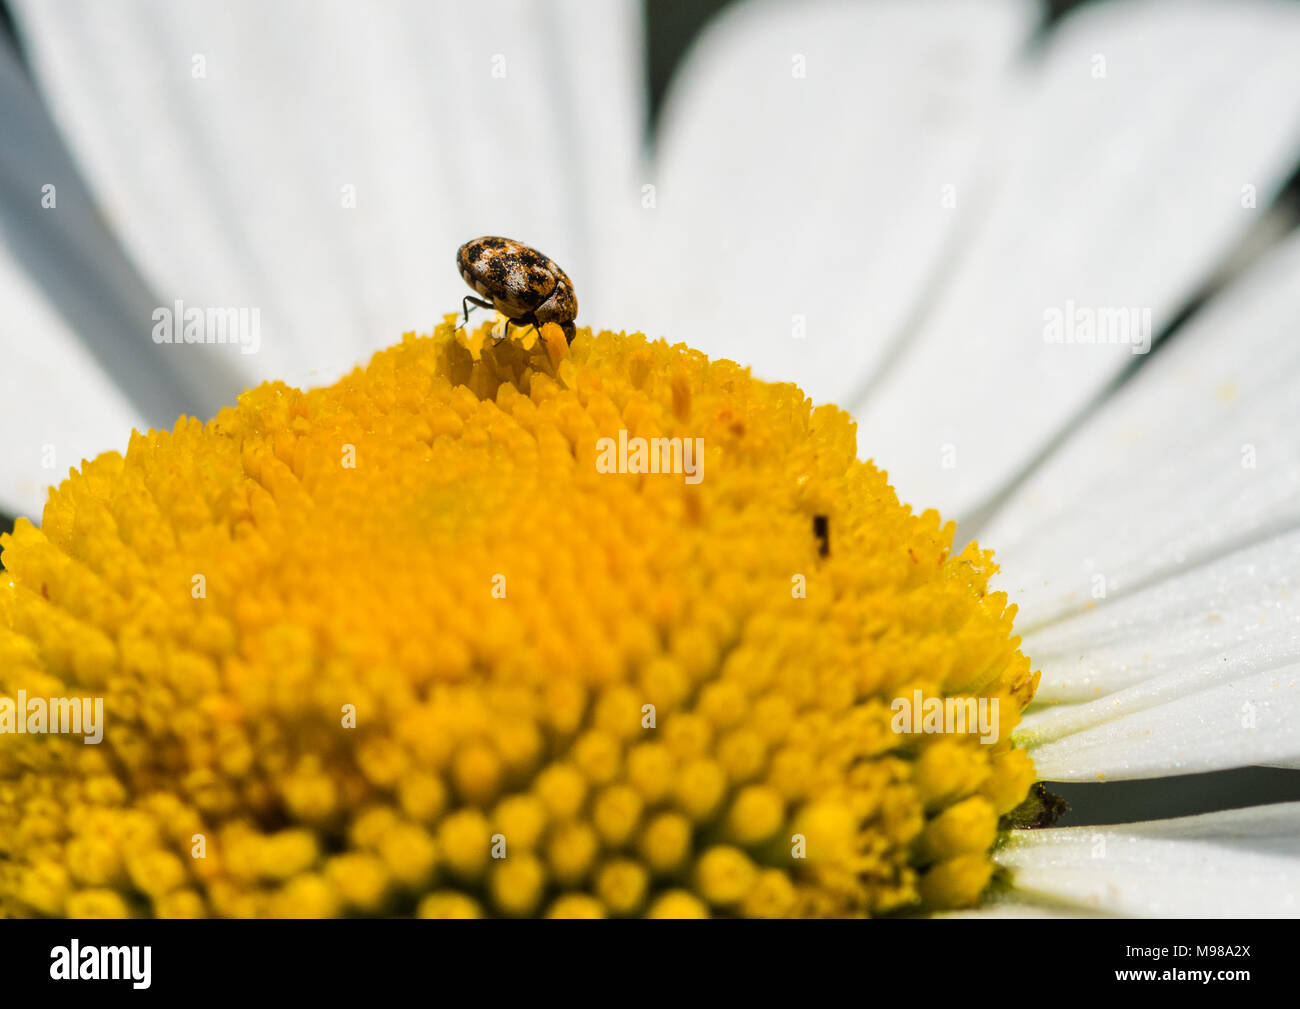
column 1198, row 454
column 321, row 162
column 1113, row 192
column 75, row 325
column 1146, row 556
column 1239, row 863
column 1176, row 724
column 801, row 202
column 1196, row 673
column 57, row 406
column 1237, row 615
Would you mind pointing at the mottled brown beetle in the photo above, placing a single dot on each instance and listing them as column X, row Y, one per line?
column 525, row 286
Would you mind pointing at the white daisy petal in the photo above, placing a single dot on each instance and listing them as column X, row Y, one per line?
column 1195, row 673
column 1239, row 863
column 1014, row 905
column 72, row 384
column 1114, row 192
column 222, row 138
column 57, row 406
column 53, row 229
column 1196, row 455
column 800, row 179
column 1171, row 726
column 1235, row 616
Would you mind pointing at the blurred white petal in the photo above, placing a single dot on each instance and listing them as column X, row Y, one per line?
column 1115, row 192
column 1239, row 863
column 816, row 201
column 53, row 228
column 219, row 138
column 1198, row 454
column 57, row 406
column 78, row 374
column 1014, row 905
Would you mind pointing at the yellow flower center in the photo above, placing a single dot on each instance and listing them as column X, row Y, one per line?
column 460, row 635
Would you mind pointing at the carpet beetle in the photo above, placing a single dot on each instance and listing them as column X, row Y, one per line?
column 525, row 286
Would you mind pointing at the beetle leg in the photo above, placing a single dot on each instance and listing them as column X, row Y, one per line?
column 468, row 300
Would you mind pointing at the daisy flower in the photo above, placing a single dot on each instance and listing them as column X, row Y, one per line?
column 396, row 643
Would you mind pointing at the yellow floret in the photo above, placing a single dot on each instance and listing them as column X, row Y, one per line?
column 412, row 644
column 576, row 905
